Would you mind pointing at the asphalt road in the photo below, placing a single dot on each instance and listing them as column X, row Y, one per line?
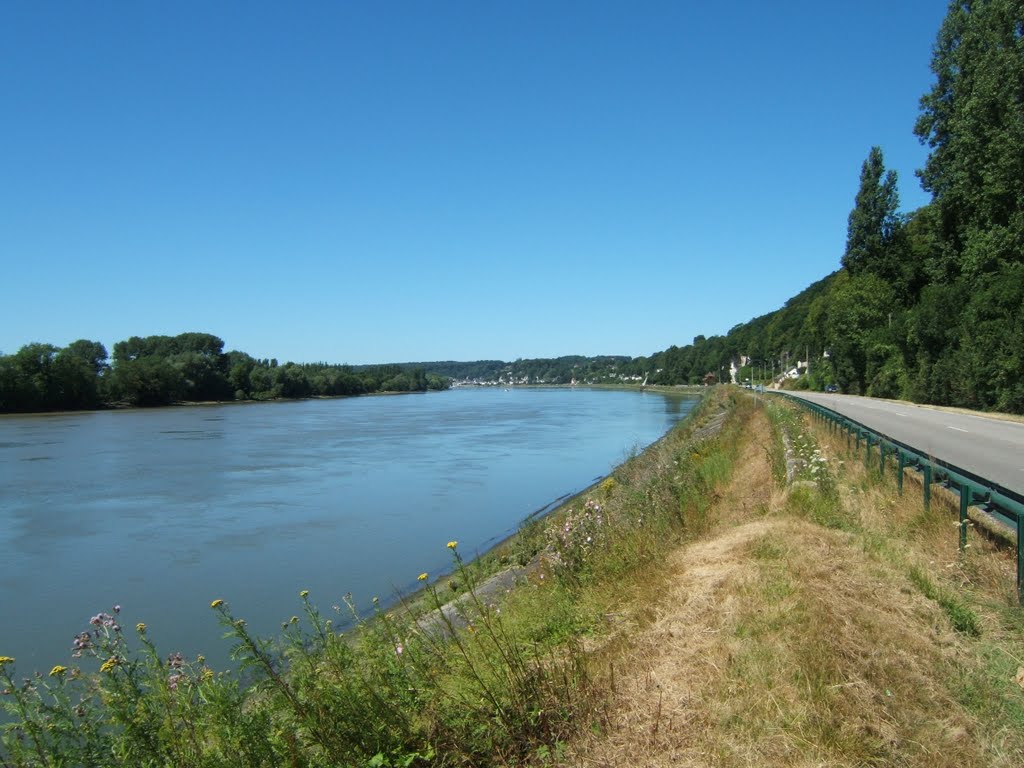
column 988, row 447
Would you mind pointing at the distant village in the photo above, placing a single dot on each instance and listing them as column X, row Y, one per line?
column 512, row 378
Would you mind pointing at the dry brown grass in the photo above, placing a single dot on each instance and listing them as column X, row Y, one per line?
column 775, row 641
column 928, row 539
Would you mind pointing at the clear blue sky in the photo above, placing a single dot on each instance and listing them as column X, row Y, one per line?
column 393, row 181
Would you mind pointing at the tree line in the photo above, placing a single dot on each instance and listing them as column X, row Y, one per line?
column 540, row 370
column 189, row 367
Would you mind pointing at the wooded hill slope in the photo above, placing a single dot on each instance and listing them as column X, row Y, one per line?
column 928, row 306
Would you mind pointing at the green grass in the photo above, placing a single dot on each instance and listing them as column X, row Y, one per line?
column 960, row 614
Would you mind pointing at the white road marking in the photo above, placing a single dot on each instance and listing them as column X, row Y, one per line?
column 956, row 428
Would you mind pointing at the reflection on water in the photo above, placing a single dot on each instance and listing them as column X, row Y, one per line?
column 162, row 511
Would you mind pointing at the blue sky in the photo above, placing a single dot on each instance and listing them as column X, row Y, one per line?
column 396, row 181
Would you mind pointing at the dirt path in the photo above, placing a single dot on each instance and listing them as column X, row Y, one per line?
column 778, row 642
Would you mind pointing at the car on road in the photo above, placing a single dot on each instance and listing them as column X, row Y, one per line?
column 831, row 388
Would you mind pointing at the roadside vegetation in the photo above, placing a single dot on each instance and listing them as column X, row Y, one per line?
column 829, row 621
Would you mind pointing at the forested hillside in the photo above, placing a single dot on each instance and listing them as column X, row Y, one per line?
column 928, row 306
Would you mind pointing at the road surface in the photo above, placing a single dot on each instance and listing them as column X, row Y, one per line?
column 987, row 447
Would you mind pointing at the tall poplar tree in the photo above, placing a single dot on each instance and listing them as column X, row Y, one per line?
column 973, row 120
column 873, row 222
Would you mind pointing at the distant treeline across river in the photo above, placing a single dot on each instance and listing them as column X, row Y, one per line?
column 189, row 367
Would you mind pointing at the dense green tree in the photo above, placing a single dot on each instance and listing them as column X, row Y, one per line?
column 238, row 378
column 991, row 370
column 873, row 223
column 167, row 346
column 858, row 320
column 15, row 389
column 203, row 376
column 973, row 120
column 292, row 381
column 147, row 381
column 263, row 383
column 92, row 353
column 36, row 364
column 135, row 347
column 76, row 381
column 931, row 339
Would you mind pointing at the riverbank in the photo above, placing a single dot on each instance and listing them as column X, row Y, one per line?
column 424, row 695
column 507, row 564
column 693, row 608
column 123, row 406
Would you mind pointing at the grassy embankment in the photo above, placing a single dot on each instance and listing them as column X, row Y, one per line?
column 691, row 609
column 828, row 623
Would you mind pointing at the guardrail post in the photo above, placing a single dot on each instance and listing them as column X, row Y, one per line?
column 867, row 450
column 1020, row 559
column 927, row 486
column 899, row 478
column 965, row 497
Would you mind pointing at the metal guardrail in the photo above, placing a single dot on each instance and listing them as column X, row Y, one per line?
column 1000, row 503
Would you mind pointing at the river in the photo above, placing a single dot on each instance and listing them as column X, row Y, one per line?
column 161, row 511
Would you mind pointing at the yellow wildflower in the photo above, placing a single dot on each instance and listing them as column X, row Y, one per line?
column 422, row 577
column 58, row 671
column 110, row 664
column 304, row 594
column 217, row 603
column 452, row 544
column 140, row 628
column 207, row 675
column 6, row 660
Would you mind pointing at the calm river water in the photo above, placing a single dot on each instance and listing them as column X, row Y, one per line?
column 162, row 511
